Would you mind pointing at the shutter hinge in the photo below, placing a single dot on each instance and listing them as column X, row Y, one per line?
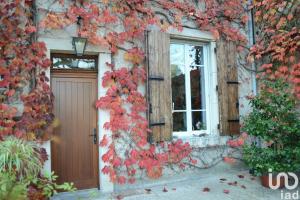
column 232, row 82
column 217, row 88
column 156, row 78
column 215, row 49
column 233, row 120
column 157, row 124
column 218, row 126
column 150, row 108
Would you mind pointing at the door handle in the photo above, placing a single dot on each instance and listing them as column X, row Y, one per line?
column 94, row 135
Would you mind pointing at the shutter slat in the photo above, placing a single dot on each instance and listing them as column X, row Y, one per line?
column 228, row 88
column 159, row 86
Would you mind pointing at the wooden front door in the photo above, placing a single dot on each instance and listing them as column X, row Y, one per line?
column 74, row 149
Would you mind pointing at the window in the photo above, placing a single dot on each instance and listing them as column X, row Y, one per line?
column 189, row 79
column 69, row 61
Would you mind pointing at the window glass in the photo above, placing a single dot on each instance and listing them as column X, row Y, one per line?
column 199, row 120
column 178, row 87
column 177, row 54
column 65, row 62
column 179, row 121
column 195, row 55
column 197, row 88
column 188, row 88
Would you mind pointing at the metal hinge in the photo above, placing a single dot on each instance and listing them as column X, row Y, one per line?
column 150, row 108
column 218, row 126
column 215, row 49
column 232, row 82
column 217, row 88
column 156, row 78
column 233, row 120
column 157, row 124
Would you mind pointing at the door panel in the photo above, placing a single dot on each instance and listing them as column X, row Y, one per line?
column 74, row 154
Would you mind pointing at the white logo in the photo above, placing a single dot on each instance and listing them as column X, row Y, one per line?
column 286, row 180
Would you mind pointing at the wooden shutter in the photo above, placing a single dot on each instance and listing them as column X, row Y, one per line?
column 228, row 88
column 159, row 86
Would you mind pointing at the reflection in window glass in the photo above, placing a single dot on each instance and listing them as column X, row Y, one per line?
column 199, row 120
column 73, row 63
column 188, row 88
column 179, row 121
column 178, row 87
column 195, row 55
column 197, row 88
column 177, row 53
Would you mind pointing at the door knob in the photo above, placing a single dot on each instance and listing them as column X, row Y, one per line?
column 94, row 135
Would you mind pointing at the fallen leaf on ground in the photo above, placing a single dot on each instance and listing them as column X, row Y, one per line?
column 226, row 191
column 148, row 190
column 206, row 189
column 242, row 186
column 165, row 189
column 223, row 179
column 232, row 183
column 174, row 189
column 241, row 176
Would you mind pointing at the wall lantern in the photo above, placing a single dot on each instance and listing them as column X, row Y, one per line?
column 79, row 45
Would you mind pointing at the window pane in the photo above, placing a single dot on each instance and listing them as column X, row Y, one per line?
column 195, row 55
column 178, row 87
column 73, row 63
column 179, row 121
column 177, row 53
column 199, row 120
column 197, row 88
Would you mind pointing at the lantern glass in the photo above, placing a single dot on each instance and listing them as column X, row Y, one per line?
column 79, row 45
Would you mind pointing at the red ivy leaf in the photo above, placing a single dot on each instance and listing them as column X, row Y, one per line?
column 290, row 17
column 229, row 160
column 30, row 29
column 10, row 93
column 226, row 191
column 104, row 141
column 121, row 180
column 131, row 180
column 105, row 170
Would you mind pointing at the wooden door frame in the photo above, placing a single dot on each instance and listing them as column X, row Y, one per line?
column 70, row 73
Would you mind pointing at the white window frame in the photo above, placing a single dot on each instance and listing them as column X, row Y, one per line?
column 210, row 76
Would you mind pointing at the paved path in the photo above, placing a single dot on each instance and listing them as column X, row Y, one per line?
column 223, row 182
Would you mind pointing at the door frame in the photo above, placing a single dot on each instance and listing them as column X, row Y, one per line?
column 64, row 45
column 80, row 73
